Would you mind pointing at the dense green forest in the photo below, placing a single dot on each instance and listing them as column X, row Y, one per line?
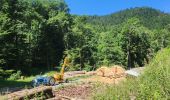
column 35, row 35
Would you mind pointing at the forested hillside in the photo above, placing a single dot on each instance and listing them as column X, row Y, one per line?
column 149, row 17
column 35, row 35
column 130, row 37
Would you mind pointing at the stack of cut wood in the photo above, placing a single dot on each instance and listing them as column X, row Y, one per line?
column 74, row 73
column 45, row 91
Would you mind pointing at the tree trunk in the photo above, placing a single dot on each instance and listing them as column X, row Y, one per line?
column 81, row 60
column 129, row 59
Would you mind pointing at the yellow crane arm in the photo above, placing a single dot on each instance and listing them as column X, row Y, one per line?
column 65, row 64
column 59, row 76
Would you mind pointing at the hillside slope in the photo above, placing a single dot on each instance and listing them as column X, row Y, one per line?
column 149, row 17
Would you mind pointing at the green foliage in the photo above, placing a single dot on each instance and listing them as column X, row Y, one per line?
column 135, row 42
column 5, row 73
column 36, row 34
column 32, row 32
column 80, row 45
column 127, row 44
column 109, row 49
column 155, row 82
column 149, row 17
column 15, row 76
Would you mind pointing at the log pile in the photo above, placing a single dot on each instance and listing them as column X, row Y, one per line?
column 44, row 91
column 74, row 74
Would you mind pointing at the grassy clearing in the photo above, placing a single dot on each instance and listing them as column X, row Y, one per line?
column 124, row 91
column 21, row 82
column 16, row 83
column 154, row 84
column 50, row 73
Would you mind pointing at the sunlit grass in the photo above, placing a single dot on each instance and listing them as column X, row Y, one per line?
column 50, row 73
column 26, row 81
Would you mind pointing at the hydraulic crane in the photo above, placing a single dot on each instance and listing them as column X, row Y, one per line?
column 52, row 80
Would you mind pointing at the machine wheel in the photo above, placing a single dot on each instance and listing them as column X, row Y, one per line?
column 51, row 81
column 66, row 81
column 33, row 83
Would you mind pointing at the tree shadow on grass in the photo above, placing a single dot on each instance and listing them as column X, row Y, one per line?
column 11, row 85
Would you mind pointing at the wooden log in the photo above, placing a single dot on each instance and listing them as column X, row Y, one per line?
column 75, row 73
column 41, row 91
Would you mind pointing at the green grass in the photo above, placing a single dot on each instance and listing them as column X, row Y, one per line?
column 16, row 83
column 122, row 91
column 21, row 82
column 50, row 73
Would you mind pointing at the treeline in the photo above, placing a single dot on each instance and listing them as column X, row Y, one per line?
column 37, row 34
column 129, row 38
column 149, row 17
column 130, row 44
column 31, row 33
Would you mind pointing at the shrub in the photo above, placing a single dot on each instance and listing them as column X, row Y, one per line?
column 155, row 82
column 15, row 76
column 5, row 73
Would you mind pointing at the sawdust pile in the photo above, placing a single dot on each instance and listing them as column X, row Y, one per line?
column 108, row 75
column 111, row 72
column 105, row 80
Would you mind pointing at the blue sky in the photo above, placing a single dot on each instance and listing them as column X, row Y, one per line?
column 103, row 7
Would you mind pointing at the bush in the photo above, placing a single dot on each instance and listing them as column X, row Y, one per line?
column 5, row 73
column 153, row 84
column 15, row 76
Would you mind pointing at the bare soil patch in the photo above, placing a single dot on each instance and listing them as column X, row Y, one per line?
column 78, row 92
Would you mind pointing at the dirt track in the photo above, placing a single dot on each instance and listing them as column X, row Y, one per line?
column 82, row 92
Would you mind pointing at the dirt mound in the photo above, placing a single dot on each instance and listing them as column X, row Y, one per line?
column 112, row 72
column 102, row 71
column 108, row 75
column 118, row 71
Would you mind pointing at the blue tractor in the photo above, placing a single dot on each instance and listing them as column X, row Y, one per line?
column 49, row 80
column 43, row 80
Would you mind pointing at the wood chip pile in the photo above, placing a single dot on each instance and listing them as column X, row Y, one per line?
column 111, row 72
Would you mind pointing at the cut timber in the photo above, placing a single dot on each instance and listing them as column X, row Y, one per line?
column 45, row 91
column 91, row 73
column 74, row 73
